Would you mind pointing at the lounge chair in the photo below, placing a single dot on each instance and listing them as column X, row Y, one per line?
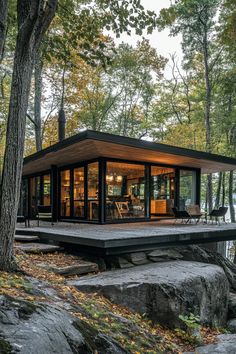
column 195, row 212
column 181, row 214
column 217, row 214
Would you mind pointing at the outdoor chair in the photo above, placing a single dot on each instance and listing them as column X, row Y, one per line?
column 22, row 219
column 217, row 214
column 195, row 212
column 181, row 215
column 44, row 213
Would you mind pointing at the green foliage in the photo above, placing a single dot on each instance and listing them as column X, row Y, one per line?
column 193, row 327
column 191, row 321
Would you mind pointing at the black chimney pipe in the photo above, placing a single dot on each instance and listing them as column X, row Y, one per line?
column 61, row 124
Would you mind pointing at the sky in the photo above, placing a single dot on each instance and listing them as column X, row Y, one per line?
column 164, row 44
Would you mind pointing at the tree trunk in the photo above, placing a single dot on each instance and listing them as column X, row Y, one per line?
column 207, row 112
column 223, row 189
column 209, row 192
column 3, row 25
column 231, row 202
column 38, row 67
column 34, row 18
column 217, row 202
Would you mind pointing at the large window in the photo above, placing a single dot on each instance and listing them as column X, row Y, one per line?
column 125, row 191
column 78, row 195
column 187, row 188
column 65, row 194
column 162, row 190
column 93, row 191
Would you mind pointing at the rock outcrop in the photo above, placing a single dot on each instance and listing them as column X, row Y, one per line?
column 27, row 328
column 165, row 290
column 186, row 253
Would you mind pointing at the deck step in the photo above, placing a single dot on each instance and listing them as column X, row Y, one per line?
column 38, row 248
column 26, row 238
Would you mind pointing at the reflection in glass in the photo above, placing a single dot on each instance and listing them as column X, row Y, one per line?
column 125, row 190
column 34, row 195
column 79, row 192
column 23, row 202
column 47, row 189
column 65, row 193
column 93, row 201
column 187, row 190
column 162, row 190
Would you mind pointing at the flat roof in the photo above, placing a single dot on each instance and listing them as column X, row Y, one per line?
column 90, row 144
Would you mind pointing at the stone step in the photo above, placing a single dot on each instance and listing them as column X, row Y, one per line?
column 38, row 248
column 76, row 269
column 26, row 238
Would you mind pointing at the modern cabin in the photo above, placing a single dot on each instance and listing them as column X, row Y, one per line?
column 103, row 178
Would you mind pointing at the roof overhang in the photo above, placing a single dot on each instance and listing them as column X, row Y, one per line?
column 89, row 145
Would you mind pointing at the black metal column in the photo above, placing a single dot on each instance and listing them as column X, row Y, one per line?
column 198, row 187
column 147, row 191
column 54, row 192
column 102, row 190
column 177, row 187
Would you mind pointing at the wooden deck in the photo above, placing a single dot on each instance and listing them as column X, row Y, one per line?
column 124, row 238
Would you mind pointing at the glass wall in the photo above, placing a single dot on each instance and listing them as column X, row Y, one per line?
column 65, row 194
column 125, row 191
column 78, row 192
column 93, row 191
column 187, row 188
column 162, row 190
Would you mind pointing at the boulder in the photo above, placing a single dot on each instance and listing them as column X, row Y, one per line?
column 231, row 325
column 28, row 328
column 226, row 344
column 163, row 291
column 232, row 305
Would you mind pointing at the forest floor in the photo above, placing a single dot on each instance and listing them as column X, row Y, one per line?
column 134, row 332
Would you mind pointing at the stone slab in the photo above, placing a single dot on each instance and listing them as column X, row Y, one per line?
column 163, row 291
column 26, row 238
column 159, row 255
column 38, row 248
column 137, row 258
column 75, row 269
